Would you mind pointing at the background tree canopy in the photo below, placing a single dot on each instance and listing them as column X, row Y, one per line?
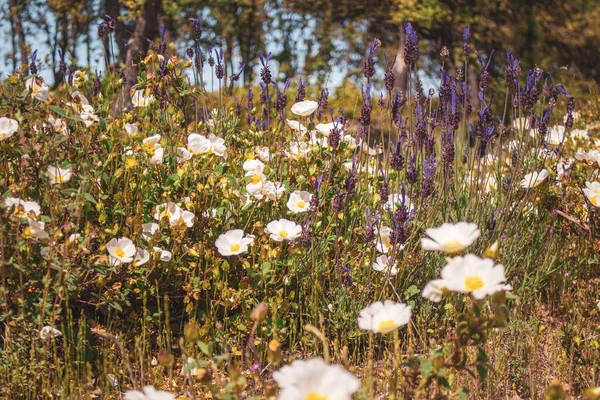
column 314, row 38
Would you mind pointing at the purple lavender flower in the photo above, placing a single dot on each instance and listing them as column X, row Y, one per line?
column 397, row 162
column 427, row 186
column 484, row 77
column 411, row 47
column 390, row 79
column 219, row 71
column 265, row 72
column 466, row 45
column 323, row 103
column 365, row 112
column 197, row 31
column 369, row 65
column 384, row 192
column 211, row 59
column 338, row 202
column 281, row 99
column 411, row 174
column 301, row 91
column 314, row 200
column 32, row 66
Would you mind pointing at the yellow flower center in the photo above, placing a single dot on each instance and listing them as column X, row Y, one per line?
column 167, row 214
column 149, row 147
column 27, row 232
column 597, row 191
column 594, row 200
column 453, row 246
column 130, row 162
column 388, row 244
column 315, row 396
column 386, row 325
column 300, row 204
column 283, row 233
column 255, row 179
column 473, row 283
column 119, row 252
column 59, row 179
column 18, row 213
column 234, row 247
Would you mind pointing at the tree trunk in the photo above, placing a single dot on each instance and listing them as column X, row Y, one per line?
column 16, row 21
column 400, row 68
column 147, row 26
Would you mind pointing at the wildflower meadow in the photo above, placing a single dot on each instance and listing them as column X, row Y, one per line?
column 170, row 229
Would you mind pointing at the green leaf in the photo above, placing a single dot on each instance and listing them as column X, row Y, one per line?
column 205, row 348
column 59, row 110
column 89, row 198
column 172, row 179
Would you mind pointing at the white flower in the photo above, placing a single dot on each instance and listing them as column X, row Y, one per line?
column 370, row 150
column 121, row 250
column 149, row 229
column 295, row 125
column 591, row 155
column 533, row 179
column 253, row 167
column 199, row 144
column 315, row 380
column 434, row 289
column 23, row 208
column 297, row 150
column 283, row 229
column 471, row 274
column 169, row 210
column 556, row 136
column 141, row 257
column 299, row 201
column 148, row 393
column 58, row 124
column 8, row 127
column 326, row 129
column 384, row 317
column 187, row 217
column 183, row 155
column 157, row 157
column 151, row 145
column 592, row 192
column 579, row 134
column 263, row 153
column 59, row 175
column 396, row 199
column 318, row 140
column 305, row 108
column 351, row 141
column 140, row 100
column 273, row 190
column 233, row 242
column 131, row 129
column 79, row 78
column 451, row 238
column 88, row 116
column 48, row 332
column 35, row 230
column 385, row 264
column 38, row 88
column 165, row 256
column 382, row 240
